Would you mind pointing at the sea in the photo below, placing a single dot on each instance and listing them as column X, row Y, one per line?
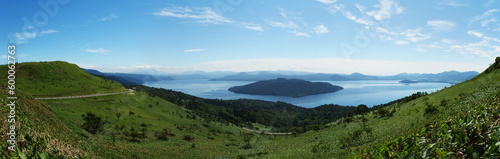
column 368, row 92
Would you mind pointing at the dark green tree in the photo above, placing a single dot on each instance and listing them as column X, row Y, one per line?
column 93, row 123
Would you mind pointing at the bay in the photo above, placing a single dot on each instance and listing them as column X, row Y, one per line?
column 369, row 92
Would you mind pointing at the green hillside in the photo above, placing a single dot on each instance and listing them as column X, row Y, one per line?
column 57, row 78
column 38, row 131
column 459, row 121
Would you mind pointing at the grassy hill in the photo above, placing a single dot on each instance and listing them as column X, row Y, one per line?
column 57, row 78
column 39, row 132
column 156, row 123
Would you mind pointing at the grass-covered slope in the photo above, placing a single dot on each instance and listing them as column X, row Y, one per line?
column 467, row 129
column 38, row 131
column 57, row 78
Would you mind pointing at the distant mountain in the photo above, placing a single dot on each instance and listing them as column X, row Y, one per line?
column 200, row 75
column 128, row 79
column 286, row 87
column 448, row 77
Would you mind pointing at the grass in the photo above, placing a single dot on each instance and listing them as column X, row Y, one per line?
column 38, row 131
column 53, row 79
column 138, row 110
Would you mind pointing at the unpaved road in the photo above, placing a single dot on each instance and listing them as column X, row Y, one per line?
column 268, row 133
column 85, row 96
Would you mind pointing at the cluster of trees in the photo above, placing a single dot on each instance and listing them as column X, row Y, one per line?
column 284, row 117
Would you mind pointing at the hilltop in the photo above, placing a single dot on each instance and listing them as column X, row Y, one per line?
column 286, row 87
column 58, row 78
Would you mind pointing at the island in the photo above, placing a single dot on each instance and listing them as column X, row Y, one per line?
column 407, row 81
column 286, row 87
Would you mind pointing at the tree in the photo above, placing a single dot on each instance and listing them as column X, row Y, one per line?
column 93, row 123
column 362, row 109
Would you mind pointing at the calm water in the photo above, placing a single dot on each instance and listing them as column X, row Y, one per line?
column 369, row 92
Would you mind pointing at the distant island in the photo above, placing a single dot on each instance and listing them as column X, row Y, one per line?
column 286, row 87
column 407, row 81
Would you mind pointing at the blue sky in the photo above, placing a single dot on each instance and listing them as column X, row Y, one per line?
column 378, row 37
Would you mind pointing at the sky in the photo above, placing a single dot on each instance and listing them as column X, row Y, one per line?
column 376, row 37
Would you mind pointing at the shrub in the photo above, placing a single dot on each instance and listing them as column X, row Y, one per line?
column 187, row 138
column 93, row 123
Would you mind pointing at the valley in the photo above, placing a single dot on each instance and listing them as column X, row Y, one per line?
column 159, row 123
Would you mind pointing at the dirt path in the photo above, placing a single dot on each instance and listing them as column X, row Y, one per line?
column 268, row 133
column 85, row 96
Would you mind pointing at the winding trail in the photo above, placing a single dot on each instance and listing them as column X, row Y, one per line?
column 85, row 96
column 268, row 133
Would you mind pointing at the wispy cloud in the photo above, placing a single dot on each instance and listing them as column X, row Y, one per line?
column 26, row 36
column 371, row 17
column 327, row 1
column 413, row 35
column 455, row 4
column 288, row 24
column 320, row 29
column 300, row 33
column 254, row 27
column 484, row 19
column 109, row 17
column 193, row 50
column 99, row 50
column 474, row 33
column 442, row 25
column 385, row 10
column 200, row 15
column 486, row 46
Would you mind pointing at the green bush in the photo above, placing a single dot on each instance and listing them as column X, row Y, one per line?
column 93, row 123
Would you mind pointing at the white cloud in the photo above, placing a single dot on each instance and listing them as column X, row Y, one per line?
column 109, row 17
column 385, row 10
column 99, row 50
column 193, row 50
column 320, row 29
column 46, row 32
column 484, row 18
column 487, row 46
column 363, row 20
column 360, row 7
column 327, row 1
column 441, row 25
column 254, row 27
column 26, row 36
column 486, row 22
column 477, row 34
column 201, row 15
column 289, row 24
column 413, row 35
column 300, row 33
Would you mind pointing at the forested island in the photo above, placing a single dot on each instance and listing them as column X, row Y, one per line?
column 286, row 87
